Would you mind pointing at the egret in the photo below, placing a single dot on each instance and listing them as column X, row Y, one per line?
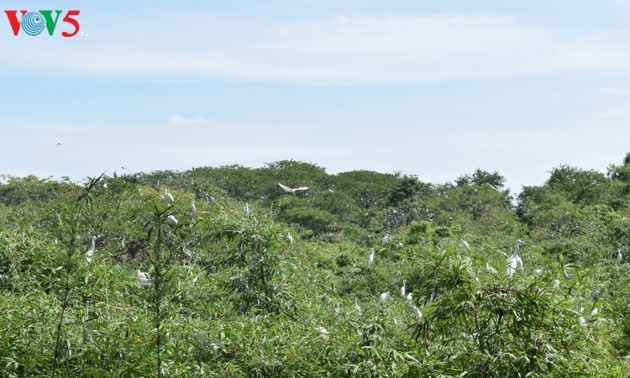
column 382, row 298
column 144, row 280
column 416, row 312
column 386, row 240
column 490, row 269
column 292, row 190
column 246, row 210
column 515, row 262
column 464, row 243
column 371, row 260
column 90, row 252
column 193, row 282
column 409, row 300
column 323, row 332
column 169, row 196
column 289, row 238
column 172, row 220
column 357, row 308
column 594, row 311
column 115, row 175
column 338, row 309
column 193, row 207
column 619, row 256
column 402, row 288
column 187, row 252
column 538, row 272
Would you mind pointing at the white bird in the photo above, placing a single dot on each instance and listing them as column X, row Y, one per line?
column 464, row 243
column 382, row 298
column 416, row 312
column 371, row 260
column 289, row 238
column 515, row 262
column 169, row 196
column 619, row 256
column 594, row 311
column 82, row 34
column 172, row 220
column 357, row 308
column 193, row 207
column 409, row 300
column 246, row 210
column 490, row 269
column 293, row 190
column 323, row 332
column 538, row 272
column 115, row 175
column 144, row 280
column 187, row 252
column 193, row 282
column 338, row 309
column 402, row 288
column 90, row 252
column 386, row 240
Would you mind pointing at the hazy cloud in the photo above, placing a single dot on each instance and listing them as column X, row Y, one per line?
column 177, row 120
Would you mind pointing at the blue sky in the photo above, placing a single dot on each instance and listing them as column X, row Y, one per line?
column 432, row 88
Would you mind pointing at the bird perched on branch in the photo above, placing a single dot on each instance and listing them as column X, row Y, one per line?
column 144, row 280
column 293, row 190
column 515, row 262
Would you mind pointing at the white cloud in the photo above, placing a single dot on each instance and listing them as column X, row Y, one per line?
column 177, row 120
column 342, row 51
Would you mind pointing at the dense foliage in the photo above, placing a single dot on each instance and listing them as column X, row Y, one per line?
column 236, row 277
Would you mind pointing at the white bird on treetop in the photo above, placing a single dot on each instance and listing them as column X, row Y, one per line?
column 409, row 299
column 193, row 207
column 323, row 332
column 371, row 260
column 338, row 309
column 464, row 243
column 246, row 210
column 172, row 220
column 293, row 190
column 357, row 308
column 619, row 256
column 382, row 298
column 386, row 240
column 490, row 269
column 169, row 196
column 289, row 238
column 402, row 288
column 515, row 262
column 90, row 252
column 144, row 280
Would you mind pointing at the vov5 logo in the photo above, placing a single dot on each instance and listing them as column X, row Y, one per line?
column 33, row 23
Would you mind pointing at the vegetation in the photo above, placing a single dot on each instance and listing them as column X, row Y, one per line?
column 246, row 280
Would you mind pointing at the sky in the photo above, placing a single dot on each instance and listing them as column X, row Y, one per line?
column 435, row 89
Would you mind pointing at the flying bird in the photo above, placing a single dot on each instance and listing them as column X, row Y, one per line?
column 293, row 190
column 82, row 34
